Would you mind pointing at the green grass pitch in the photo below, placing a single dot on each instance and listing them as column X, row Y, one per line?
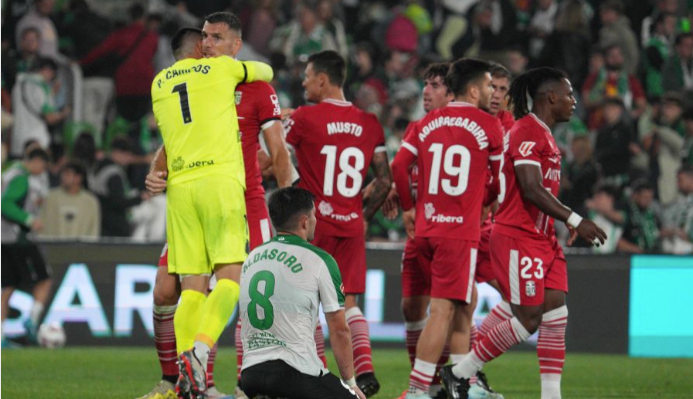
column 126, row 373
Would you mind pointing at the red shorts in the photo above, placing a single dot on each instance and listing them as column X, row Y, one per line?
column 412, row 276
column 525, row 267
column 350, row 254
column 484, row 269
column 258, row 226
column 448, row 266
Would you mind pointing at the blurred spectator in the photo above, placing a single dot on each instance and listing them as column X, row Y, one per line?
column 333, row 25
column 70, row 211
column 580, row 175
column 33, row 106
column 612, row 146
column 131, row 50
column 678, row 70
column 641, row 227
column 657, row 51
column 616, row 31
column 612, row 80
column 687, row 153
column 110, row 184
column 568, row 47
column 85, row 29
column 497, row 21
column 58, row 159
column 678, row 218
column 24, row 60
column 84, row 150
column 603, row 211
column 457, row 36
column 516, row 60
column 39, row 18
column 401, row 34
column 661, row 7
column 263, row 21
column 663, row 143
column 306, row 35
column 541, row 25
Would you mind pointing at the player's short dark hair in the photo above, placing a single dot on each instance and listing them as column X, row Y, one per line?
column 225, row 17
column 527, row 84
column 36, row 152
column 331, row 64
column 438, row 69
column 499, row 71
column 465, row 72
column 77, row 168
column 287, row 205
column 136, row 11
column 181, row 38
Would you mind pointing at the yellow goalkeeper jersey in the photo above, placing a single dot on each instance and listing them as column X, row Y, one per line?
column 194, row 106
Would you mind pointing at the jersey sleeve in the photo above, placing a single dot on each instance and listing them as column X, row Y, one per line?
column 525, row 147
column 15, row 191
column 379, row 134
column 405, row 157
column 495, row 135
column 256, row 70
column 267, row 106
column 293, row 128
column 330, row 286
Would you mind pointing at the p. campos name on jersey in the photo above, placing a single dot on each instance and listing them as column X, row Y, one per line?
column 446, row 121
column 172, row 73
column 344, row 127
column 282, row 257
column 447, row 219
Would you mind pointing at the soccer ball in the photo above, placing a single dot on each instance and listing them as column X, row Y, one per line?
column 51, row 336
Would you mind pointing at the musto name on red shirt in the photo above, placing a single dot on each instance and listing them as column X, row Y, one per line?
column 464, row 123
column 344, row 127
column 326, row 210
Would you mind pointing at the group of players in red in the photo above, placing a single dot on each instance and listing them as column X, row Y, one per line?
column 467, row 163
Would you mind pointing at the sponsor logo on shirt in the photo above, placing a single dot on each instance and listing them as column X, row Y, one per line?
column 326, row 210
column 526, row 147
column 277, row 109
column 430, row 214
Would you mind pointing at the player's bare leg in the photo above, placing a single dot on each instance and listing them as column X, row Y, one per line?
column 361, row 343
column 431, row 343
column 40, row 293
column 551, row 343
column 211, row 314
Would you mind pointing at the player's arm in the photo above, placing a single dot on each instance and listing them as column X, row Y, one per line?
column 158, row 170
column 530, row 180
column 279, row 154
column 405, row 157
column 340, row 339
column 11, row 197
column 381, row 187
column 256, row 70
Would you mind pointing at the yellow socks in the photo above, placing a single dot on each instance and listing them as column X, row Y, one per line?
column 217, row 310
column 187, row 318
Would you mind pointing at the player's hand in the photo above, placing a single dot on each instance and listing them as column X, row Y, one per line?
column 156, row 182
column 573, row 235
column 591, row 232
column 409, row 219
column 358, row 392
column 286, row 113
column 391, row 204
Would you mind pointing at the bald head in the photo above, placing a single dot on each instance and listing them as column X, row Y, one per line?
column 186, row 44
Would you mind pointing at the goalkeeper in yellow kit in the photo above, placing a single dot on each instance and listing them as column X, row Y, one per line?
column 205, row 217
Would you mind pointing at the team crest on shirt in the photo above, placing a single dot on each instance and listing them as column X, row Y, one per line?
column 325, row 208
column 530, row 289
column 178, row 164
column 429, row 210
column 238, row 96
column 526, row 147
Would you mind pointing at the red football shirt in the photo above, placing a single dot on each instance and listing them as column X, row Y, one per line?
column 530, row 142
column 506, row 119
column 414, row 169
column 334, row 143
column 258, row 107
column 453, row 147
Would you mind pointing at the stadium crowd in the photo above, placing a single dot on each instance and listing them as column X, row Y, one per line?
column 76, row 81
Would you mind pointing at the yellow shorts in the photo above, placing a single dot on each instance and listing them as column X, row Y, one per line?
column 205, row 224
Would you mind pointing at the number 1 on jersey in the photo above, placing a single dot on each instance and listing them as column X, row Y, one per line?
column 182, row 90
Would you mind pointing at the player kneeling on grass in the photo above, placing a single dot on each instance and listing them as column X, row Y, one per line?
column 283, row 282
